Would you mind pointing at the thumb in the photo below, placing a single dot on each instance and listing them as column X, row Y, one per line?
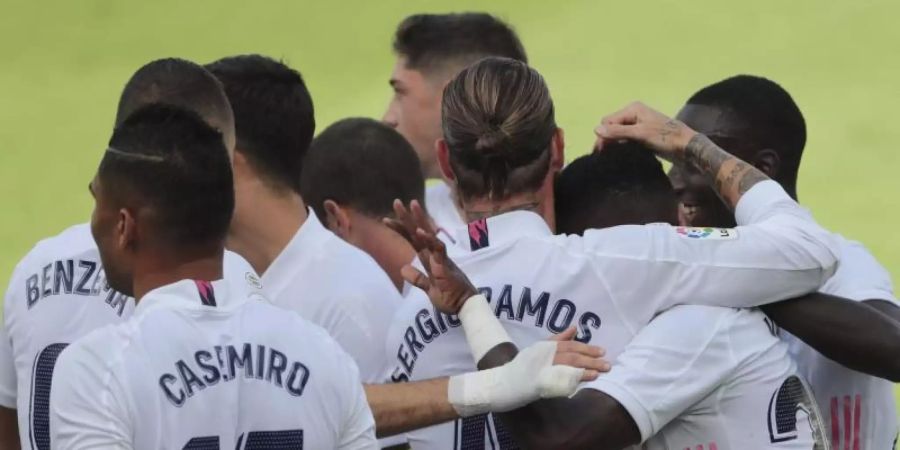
column 567, row 335
column 558, row 381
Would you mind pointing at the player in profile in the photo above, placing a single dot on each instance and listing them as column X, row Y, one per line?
column 58, row 291
column 431, row 49
column 163, row 198
column 294, row 253
column 758, row 121
column 505, row 151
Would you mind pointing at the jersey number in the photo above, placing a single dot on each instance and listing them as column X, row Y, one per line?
column 470, row 433
column 256, row 440
column 42, row 379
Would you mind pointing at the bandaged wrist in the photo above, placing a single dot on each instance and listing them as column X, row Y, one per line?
column 470, row 393
column 483, row 329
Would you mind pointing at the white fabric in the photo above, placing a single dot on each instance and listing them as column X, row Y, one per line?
column 57, row 294
column 483, row 330
column 856, row 407
column 338, row 287
column 705, row 377
column 609, row 284
column 441, row 207
column 180, row 370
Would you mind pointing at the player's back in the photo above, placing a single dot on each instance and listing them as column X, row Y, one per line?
column 183, row 373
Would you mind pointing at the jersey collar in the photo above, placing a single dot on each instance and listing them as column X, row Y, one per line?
column 501, row 230
column 185, row 294
column 303, row 246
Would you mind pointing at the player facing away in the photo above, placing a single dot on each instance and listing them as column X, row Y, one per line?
column 196, row 345
column 758, row 121
column 503, row 146
column 295, row 254
column 58, row 291
column 431, row 49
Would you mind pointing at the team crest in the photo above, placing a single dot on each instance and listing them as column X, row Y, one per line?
column 708, row 233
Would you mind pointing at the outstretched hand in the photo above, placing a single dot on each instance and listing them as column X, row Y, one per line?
column 446, row 285
column 637, row 122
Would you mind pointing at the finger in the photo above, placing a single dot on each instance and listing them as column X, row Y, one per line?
column 405, row 218
column 625, row 116
column 435, row 245
column 415, row 277
column 398, row 227
column 567, row 335
column 580, row 347
column 581, row 362
column 420, row 218
column 616, row 132
column 590, row 375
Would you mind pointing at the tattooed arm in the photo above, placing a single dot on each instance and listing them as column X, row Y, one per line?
column 731, row 176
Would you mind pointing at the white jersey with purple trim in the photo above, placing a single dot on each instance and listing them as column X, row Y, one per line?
column 609, row 284
column 208, row 365
column 860, row 412
column 56, row 295
column 441, row 207
column 704, row 377
column 338, row 287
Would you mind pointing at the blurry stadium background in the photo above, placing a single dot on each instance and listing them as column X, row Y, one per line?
column 64, row 64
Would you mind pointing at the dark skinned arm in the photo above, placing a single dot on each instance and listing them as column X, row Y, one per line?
column 589, row 420
column 862, row 336
column 9, row 429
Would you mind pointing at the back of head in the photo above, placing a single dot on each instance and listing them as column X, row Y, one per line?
column 180, row 83
column 363, row 164
column 622, row 185
column 273, row 114
column 445, row 43
column 498, row 123
column 171, row 163
column 763, row 116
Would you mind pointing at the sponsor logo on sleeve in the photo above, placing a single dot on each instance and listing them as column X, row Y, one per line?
column 707, row 233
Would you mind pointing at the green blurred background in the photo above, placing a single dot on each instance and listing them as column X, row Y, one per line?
column 64, row 62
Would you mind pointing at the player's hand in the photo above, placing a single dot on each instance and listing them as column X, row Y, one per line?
column 570, row 352
column 446, row 285
column 638, row 122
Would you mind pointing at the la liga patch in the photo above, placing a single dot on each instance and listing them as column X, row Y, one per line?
column 707, row 233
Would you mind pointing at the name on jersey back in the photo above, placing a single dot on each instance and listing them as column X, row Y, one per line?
column 72, row 277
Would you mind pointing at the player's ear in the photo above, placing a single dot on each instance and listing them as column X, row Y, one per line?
column 337, row 219
column 767, row 161
column 126, row 229
column 443, row 157
column 557, row 151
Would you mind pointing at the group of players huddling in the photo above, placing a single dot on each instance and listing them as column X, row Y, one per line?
column 244, row 284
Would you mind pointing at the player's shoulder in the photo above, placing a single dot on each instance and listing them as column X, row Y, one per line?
column 286, row 323
column 99, row 350
column 73, row 241
column 859, row 275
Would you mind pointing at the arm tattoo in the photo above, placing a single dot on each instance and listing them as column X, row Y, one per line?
column 730, row 176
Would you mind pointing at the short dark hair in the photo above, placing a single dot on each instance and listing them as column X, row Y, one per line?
column 273, row 114
column 622, row 185
column 498, row 123
column 177, row 82
column 171, row 160
column 771, row 117
column 435, row 42
column 361, row 163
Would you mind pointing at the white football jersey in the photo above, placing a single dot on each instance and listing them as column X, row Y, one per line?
column 204, row 365
column 609, row 284
column 859, row 409
column 338, row 287
column 441, row 207
column 56, row 295
column 704, row 377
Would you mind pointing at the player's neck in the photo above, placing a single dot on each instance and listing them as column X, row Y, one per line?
column 166, row 267
column 391, row 251
column 265, row 223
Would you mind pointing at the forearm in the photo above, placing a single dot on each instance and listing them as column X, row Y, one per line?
column 9, row 429
column 850, row 333
column 730, row 176
column 404, row 407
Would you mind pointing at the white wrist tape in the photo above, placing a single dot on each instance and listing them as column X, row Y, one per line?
column 483, row 329
column 530, row 376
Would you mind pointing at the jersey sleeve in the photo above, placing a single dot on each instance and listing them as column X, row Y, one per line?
column 674, row 362
column 860, row 277
column 358, row 427
column 7, row 370
column 777, row 252
column 86, row 410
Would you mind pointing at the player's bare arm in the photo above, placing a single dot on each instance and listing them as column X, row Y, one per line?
column 590, row 419
column 831, row 325
column 9, row 429
column 674, row 141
